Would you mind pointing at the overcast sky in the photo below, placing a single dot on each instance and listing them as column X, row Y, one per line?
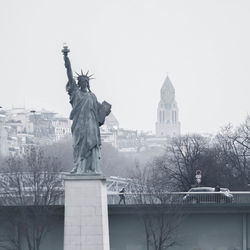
column 131, row 46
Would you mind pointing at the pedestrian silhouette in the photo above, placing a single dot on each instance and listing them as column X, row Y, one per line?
column 122, row 196
column 217, row 196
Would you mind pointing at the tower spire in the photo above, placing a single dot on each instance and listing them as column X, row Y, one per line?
column 167, row 113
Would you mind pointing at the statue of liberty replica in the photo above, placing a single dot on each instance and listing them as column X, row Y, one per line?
column 87, row 115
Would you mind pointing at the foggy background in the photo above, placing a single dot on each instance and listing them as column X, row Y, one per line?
column 131, row 46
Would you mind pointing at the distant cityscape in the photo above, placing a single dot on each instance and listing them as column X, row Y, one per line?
column 21, row 128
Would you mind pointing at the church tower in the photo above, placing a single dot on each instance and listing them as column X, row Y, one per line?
column 167, row 112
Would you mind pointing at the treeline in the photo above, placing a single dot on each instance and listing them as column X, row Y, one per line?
column 224, row 160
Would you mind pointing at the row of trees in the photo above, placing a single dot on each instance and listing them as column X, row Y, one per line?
column 224, row 160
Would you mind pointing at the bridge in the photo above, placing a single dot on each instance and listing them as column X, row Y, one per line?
column 210, row 222
column 133, row 195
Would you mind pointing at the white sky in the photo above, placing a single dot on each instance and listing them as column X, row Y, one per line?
column 131, row 45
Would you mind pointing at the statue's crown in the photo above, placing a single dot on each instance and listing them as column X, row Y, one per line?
column 88, row 77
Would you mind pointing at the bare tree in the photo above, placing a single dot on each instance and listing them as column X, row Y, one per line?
column 186, row 154
column 160, row 211
column 161, row 226
column 32, row 186
column 235, row 147
column 183, row 156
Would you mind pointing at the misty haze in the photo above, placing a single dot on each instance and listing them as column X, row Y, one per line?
column 124, row 125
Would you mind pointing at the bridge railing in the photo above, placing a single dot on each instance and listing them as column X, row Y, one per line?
column 115, row 198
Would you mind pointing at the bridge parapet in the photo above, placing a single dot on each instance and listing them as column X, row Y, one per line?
column 132, row 195
column 114, row 198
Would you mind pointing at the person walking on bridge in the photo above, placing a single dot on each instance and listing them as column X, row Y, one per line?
column 217, row 196
column 122, row 196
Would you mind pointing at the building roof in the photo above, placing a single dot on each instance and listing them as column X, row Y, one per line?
column 167, row 91
column 167, row 85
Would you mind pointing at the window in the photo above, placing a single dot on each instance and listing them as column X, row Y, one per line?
column 174, row 119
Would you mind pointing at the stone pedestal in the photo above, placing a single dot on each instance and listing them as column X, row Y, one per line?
column 86, row 213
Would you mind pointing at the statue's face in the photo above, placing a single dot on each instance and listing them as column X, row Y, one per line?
column 83, row 83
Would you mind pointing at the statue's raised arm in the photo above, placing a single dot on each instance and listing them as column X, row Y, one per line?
column 67, row 64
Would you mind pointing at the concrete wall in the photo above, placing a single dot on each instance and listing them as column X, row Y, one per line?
column 211, row 232
column 198, row 232
column 126, row 232
column 202, row 228
column 54, row 238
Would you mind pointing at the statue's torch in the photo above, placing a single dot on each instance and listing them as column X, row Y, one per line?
column 65, row 49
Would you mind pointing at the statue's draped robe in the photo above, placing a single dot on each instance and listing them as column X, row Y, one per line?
column 85, row 128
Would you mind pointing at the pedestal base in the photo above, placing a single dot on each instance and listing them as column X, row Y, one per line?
column 86, row 213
